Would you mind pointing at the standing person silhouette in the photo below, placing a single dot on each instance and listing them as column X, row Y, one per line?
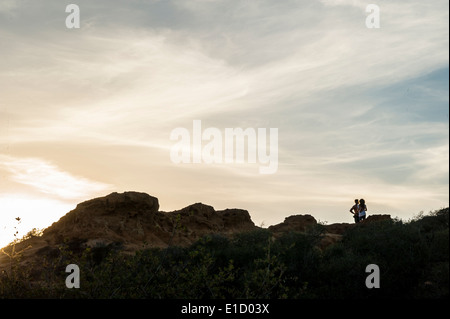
column 362, row 209
column 355, row 211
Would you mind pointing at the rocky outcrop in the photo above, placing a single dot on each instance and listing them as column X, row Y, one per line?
column 297, row 223
column 133, row 218
column 133, row 221
column 331, row 234
column 375, row 218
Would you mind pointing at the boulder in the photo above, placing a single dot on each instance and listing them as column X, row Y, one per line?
column 297, row 223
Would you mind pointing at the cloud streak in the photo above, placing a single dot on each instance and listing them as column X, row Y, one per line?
column 48, row 179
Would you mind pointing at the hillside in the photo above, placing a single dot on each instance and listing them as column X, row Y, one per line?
column 133, row 219
column 129, row 229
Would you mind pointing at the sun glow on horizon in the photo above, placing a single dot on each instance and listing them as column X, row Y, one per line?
column 33, row 212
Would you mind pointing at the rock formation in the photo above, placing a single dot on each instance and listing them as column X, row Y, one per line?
column 134, row 218
column 134, row 221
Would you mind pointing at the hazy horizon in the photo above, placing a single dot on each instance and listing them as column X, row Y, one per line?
column 360, row 113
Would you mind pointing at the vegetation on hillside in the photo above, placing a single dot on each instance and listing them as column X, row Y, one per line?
column 413, row 258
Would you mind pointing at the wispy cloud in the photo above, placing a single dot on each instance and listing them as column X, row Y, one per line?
column 47, row 178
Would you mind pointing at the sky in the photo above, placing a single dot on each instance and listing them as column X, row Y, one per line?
column 360, row 112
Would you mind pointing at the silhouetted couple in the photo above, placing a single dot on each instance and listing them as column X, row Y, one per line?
column 359, row 210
